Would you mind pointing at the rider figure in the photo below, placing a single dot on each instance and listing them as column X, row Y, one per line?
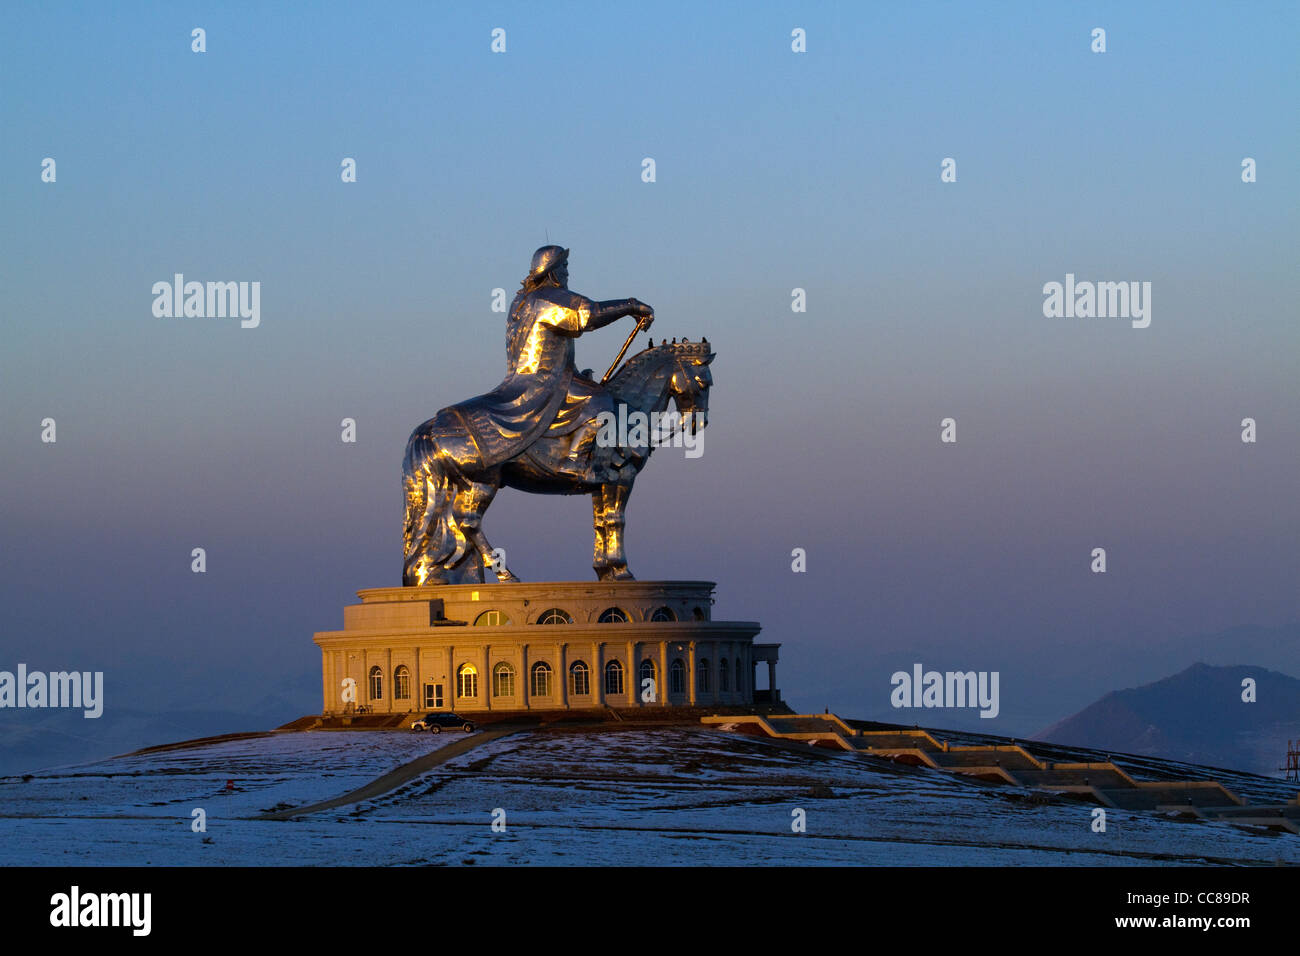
column 543, row 393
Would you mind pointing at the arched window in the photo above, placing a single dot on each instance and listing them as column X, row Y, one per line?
column 376, row 684
column 491, row 619
column 724, row 676
column 555, row 616
column 613, row 678
column 740, row 678
column 676, row 678
column 699, row 614
column 503, row 681
column 702, row 676
column 663, row 614
column 579, row 679
column 541, row 680
column 647, row 669
column 401, row 683
column 612, row 615
column 467, row 681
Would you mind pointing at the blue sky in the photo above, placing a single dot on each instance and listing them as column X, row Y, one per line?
column 775, row 170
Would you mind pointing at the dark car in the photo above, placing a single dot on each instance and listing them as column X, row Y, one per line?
column 436, row 721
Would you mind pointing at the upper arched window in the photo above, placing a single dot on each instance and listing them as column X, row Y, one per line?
column 663, row 614
column 612, row 615
column 540, row 683
column 555, row 616
column 491, row 619
column 401, row 683
column 699, row 614
column 579, row 679
column 376, row 684
column 503, row 680
column 467, row 681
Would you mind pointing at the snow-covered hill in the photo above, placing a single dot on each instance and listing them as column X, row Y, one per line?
column 599, row 795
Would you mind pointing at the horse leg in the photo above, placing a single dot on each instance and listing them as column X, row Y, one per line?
column 467, row 511
column 429, row 539
column 600, row 559
column 615, row 506
column 438, row 466
column 421, row 493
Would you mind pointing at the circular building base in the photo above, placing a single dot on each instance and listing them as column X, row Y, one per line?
column 539, row 646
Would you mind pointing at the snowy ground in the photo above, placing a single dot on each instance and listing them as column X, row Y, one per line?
column 637, row 796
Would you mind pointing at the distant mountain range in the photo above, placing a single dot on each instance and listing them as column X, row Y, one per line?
column 58, row 738
column 203, row 702
column 1196, row 716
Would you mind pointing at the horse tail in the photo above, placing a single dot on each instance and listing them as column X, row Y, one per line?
column 429, row 536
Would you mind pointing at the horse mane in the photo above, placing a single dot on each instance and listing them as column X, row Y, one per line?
column 635, row 378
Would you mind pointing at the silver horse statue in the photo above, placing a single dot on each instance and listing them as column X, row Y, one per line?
column 547, row 429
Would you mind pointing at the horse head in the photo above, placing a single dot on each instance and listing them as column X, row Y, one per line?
column 676, row 371
column 690, row 381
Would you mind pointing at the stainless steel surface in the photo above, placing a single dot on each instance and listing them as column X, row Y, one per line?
column 537, row 431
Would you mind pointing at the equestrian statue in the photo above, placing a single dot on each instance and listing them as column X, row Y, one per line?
column 542, row 430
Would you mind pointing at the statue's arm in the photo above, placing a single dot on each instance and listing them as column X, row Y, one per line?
column 613, row 309
column 576, row 313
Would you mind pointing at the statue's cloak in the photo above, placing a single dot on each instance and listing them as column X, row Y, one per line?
column 542, row 392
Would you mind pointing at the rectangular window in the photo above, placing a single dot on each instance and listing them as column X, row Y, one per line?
column 432, row 696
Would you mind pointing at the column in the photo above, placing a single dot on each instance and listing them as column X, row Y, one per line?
column 633, row 676
column 733, row 656
column 523, row 677
column 343, row 670
column 363, row 691
column 771, row 679
column 749, row 671
column 417, row 688
column 453, row 685
column 598, row 674
column 714, row 686
column 563, row 676
column 388, row 678
column 690, row 673
column 486, row 685
column 661, row 679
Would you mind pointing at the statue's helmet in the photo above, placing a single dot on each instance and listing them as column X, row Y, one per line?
column 545, row 259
